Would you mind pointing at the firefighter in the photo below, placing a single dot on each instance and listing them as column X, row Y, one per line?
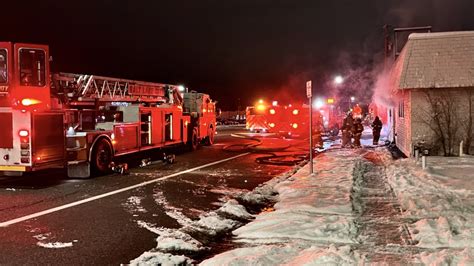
column 376, row 128
column 357, row 111
column 346, row 130
column 357, row 130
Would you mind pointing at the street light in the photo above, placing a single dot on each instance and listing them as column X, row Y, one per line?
column 319, row 103
column 338, row 79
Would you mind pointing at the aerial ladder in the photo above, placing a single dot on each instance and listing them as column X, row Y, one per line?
column 82, row 122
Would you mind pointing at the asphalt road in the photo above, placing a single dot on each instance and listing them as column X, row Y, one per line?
column 104, row 229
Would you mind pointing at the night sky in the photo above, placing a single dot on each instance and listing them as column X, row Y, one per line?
column 236, row 50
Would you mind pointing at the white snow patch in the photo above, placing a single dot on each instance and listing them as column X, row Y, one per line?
column 133, row 204
column 212, row 224
column 233, row 208
column 42, row 237
column 55, row 244
column 160, row 258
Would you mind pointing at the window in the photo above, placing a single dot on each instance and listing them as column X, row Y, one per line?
column 32, row 67
column 401, row 108
column 3, row 66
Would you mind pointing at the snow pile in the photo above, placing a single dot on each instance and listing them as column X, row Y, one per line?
column 160, row 258
column 234, row 210
column 312, row 222
column 212, row 224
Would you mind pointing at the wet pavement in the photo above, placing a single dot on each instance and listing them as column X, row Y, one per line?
column 107, row 230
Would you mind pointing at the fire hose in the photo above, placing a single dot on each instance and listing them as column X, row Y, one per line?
column 271, row 157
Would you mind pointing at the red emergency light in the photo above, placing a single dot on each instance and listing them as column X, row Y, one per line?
column 30, row 102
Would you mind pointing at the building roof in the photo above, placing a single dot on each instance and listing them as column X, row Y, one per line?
column 436, row 60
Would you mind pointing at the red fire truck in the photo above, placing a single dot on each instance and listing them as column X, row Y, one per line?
column 286, row 120
column 256, row 117
column 83, row 122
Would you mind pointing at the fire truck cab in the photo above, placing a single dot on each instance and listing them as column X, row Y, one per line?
column 82, row 122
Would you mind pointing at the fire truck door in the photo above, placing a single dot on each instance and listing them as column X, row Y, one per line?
column 48, row 140
column 32, row 84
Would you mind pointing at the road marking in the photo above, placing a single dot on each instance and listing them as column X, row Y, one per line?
column 69, row 205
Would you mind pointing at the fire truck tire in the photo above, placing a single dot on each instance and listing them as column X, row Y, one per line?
column 194, row 140
column 210, row 137
column 101, row 157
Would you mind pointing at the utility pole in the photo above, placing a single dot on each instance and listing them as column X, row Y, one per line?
column 309, row 94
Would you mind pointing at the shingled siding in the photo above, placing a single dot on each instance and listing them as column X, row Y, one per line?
column 421, row 115
column 402, row 124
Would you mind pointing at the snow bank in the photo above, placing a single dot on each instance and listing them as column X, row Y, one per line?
column 160, row 258
column 441, row 209
column 289, row 254
column 312, row 221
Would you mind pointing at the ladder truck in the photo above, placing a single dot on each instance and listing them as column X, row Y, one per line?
column 83, row 122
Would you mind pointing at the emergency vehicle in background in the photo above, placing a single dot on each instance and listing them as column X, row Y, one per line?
column 256, row 117
column 83, row 122
column 285, row 120
column 291, row 119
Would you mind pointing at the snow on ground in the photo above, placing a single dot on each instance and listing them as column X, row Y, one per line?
column 133, row 205
column 441, row 208
column 312, row 221
column 340, row 217
column 173, row 243
column 360, row 207
column 55, row 245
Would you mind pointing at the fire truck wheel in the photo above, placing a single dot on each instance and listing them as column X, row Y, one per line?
column 101, row 157
column 194, row 141
column 210, row 137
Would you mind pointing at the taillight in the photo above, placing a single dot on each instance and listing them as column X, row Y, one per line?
column 295, row 112
column 295, row 125
column 272, row 111
column 23, row 133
